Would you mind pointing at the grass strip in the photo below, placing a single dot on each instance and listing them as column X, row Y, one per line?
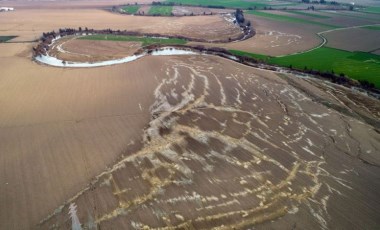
column 6, row 38
column 160, row 10
column 144, row 40
column 131, row 9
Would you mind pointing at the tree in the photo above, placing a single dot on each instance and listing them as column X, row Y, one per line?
column 239, row 16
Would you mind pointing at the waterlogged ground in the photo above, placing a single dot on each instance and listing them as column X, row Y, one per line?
column 230, row 146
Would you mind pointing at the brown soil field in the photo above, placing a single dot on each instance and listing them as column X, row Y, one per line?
column 358, row 39
column 194, row 141
column 335, row 19
column 229, row 146
column 30, row 24
column 355, row 14
column 73, row 49
column 60, row 128
column 182, row 10
column 344, row 21
column 71, row 4
column 276, row 38
column 180, row 142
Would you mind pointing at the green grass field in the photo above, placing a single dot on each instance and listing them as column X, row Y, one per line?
column 224, row 3
column 372, row 27
column 356, row 65
column 374, row 9
column 6, row 38
column 285, row 18
column 160, row 10
column 144, row 40
column 307, row 14
column 251, row 55
column 131, row 9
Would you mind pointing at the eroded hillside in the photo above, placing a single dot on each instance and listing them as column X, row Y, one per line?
column 228, row 147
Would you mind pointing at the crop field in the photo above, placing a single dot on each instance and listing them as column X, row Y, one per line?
column 196, row 10
column 6, row 38
column 312, row 15
column 210, row 27
column 81, row 50
column 289, row 19
column 277, row 37
column 356, row 65
column 355, row 39
column 131, row 9
column 223, row 3
column 353, row 14
column 375, row 10
column 372, row 27
column 205, row 149
column 349, row 18
column 144, row 40
column 251, row 55
column 160, row 10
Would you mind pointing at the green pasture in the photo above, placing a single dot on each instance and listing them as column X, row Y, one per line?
column 372, row 27
column 261, row 57
column 374, row 9
column 160, row 10
column 144, row 40
column 356, row 65
column 131, row 9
